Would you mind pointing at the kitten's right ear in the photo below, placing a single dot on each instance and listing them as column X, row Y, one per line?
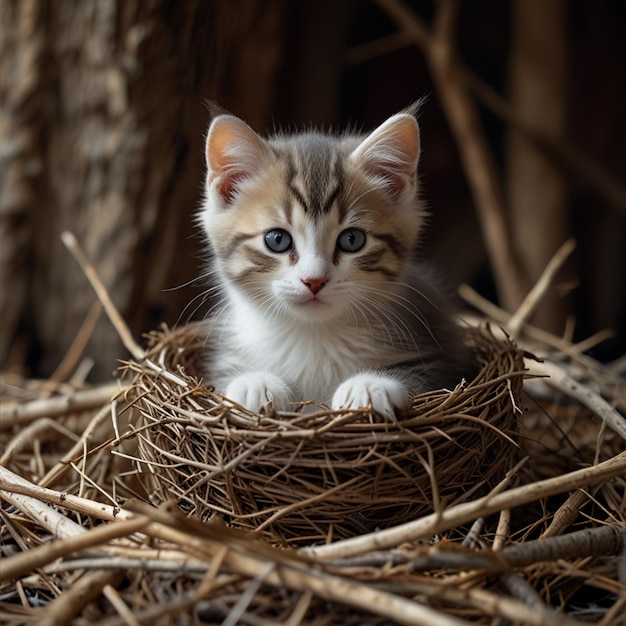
column 234, row 152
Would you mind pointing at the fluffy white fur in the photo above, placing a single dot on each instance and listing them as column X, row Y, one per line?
column 288, row 358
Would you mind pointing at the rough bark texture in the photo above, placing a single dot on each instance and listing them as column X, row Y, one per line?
column 22, row 48
column 103, row 127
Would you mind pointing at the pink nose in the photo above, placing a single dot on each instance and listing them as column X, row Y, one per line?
column 314, row 284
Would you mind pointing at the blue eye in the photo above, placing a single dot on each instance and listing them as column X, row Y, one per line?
column 351, row 240
column 278, row 240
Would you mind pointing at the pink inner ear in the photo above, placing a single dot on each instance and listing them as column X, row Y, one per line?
column 391, row 152
column 397, row 184
column 227, row 187
column 234, row 152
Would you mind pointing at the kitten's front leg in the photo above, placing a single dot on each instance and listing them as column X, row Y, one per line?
column 258, row 390
column 384, row 394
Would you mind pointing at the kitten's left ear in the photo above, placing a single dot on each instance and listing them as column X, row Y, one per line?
column 391, row 153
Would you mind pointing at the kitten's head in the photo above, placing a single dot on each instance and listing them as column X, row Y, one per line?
column 311, row 226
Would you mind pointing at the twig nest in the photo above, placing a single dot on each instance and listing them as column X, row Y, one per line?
column 315, row 477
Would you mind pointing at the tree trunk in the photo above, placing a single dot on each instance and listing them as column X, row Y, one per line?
column 103, row 122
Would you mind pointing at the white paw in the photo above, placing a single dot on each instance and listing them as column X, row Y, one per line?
column 385, row 395
column 257, row 391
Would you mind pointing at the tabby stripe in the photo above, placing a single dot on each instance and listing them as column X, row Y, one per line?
column 293, row 256
column 370, row 258
column 227, row 251
column 390, row 274
column 331, row 199
column 394, row 245
column 316, row 177
column 299, row 198
column 368, row 263
column 288, row 210
column 337, row 191
column 291, row 175
column 338, row 176
column 262, row 263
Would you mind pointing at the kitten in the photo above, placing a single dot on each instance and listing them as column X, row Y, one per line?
column 312, row 238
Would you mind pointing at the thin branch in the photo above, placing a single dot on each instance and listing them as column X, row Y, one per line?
column 71, row 243
column 555, row 373
column 24, row 437
column 68, row 404
column 37, row 510
column 535, row 295
column 595, row 542
column 502, row 530
column 119, row 605
column 116, row 562
column 63, row 464
column 75, row 351
column 373, row 49
column 560, row 379
column 65, row 607
column 566, row 513
column 24, row 562
column 592, row 368
column 495, row 604
column 568, row 156
column 11, row 483
column 520, row 588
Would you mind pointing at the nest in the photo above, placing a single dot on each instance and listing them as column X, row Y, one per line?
column 80, row 547
column 316, row 477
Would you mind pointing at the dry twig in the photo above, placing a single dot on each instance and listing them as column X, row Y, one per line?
column 532, row 300
column 71, row 243
column 69, row 604
column 60, row 405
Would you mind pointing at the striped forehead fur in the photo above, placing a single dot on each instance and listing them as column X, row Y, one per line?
column 315, row 175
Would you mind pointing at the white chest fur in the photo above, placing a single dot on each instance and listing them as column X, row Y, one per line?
column 312, row 359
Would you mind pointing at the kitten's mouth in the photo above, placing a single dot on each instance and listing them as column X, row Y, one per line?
column 312, row 307
column 314, row 301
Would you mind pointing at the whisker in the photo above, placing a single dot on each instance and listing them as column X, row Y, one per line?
column 200, row 279
column 405, row 303
column 187, row 314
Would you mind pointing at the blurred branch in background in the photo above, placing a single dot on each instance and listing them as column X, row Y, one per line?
column 437, row 44
column 568, row 156
column 536, row 186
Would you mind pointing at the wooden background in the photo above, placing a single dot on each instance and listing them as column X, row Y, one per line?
column 103, row 118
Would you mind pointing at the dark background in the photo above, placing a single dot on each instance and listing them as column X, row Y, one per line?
column 103, row 117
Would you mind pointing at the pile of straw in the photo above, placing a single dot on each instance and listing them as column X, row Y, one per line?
column 465, row 510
